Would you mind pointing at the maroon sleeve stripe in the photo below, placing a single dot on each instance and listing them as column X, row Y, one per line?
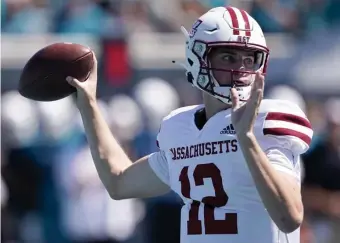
column 279, row 116
column 287, row 132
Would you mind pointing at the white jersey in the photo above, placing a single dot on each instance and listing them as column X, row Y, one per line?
column 207, row 169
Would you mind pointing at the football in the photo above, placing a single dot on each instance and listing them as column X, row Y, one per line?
column 43, row 78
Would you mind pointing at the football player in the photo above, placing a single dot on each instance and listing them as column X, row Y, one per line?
column 234, row 160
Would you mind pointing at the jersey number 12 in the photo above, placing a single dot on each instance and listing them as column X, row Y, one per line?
column 211, row 225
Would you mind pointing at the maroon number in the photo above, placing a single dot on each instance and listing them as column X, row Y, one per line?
column 194, row 224
column 212, row 226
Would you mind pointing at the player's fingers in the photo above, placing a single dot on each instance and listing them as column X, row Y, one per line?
column 259, row 80
column 257, row 86
column 72, row 81
column 259, row 96
column 95, row 66
column 234, row 98
column 258, row 89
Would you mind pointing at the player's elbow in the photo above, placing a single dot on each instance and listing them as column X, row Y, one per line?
column 112, row 186
column 115, row 195
column 290, row 227
column 118, row 189
column 112, row 191
column 290, row 224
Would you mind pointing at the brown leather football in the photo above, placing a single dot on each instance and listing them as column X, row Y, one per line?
column 44, row 75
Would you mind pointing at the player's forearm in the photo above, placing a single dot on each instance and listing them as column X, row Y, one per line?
column 280, row 199
column 109, row 158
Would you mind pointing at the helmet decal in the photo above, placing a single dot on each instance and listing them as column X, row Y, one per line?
column 194, row 28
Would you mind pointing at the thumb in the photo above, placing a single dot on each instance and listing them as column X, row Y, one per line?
column 73, row 82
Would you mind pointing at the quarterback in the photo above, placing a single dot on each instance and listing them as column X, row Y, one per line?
column 234, row 160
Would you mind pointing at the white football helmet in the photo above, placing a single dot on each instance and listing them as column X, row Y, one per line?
column 223, row 27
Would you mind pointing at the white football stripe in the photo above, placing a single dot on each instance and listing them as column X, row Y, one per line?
column 288, row 125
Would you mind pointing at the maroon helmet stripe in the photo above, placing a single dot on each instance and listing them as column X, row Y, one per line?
column 234, row 20
column 246, row 21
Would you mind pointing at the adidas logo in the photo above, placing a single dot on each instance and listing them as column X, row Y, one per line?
column 228, row 130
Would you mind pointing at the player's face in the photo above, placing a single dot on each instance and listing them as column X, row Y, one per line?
column 223, row 59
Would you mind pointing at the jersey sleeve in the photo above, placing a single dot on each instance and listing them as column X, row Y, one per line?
column 285, row 133
column 175, row 120
column 285, row 161
column 158, row 161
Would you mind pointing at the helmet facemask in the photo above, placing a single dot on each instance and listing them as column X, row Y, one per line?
column 217, row 80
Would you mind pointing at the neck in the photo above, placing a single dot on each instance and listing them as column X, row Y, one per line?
column 213, row 105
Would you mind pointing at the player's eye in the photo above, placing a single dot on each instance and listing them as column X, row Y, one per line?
column 248, row 62
column 228, row 58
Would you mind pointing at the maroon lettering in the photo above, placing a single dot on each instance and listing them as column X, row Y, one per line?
column 187, row 153
column 227, row 146
column 191, row 153
column 178, row 152
column 202, row 149
column 234, row 145
column 182, row 152
column 173, row 151
column 214, row 147
column 208, row 148
column 221, row 146
column 196, row 150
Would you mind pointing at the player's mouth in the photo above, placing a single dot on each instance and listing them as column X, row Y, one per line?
column 242, row 81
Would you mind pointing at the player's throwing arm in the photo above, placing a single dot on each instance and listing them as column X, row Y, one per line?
column 43, row 79
column 121, row 177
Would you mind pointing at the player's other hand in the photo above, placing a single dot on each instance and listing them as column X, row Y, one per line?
column 244, row 114
column 86, row 91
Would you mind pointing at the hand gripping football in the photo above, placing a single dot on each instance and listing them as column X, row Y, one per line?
column 44, row 75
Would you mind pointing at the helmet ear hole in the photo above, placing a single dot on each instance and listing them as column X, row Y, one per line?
column 190, row 62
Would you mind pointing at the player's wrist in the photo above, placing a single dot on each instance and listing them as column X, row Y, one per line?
column 85, row 102
column 246, row 140
column 246, row 136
